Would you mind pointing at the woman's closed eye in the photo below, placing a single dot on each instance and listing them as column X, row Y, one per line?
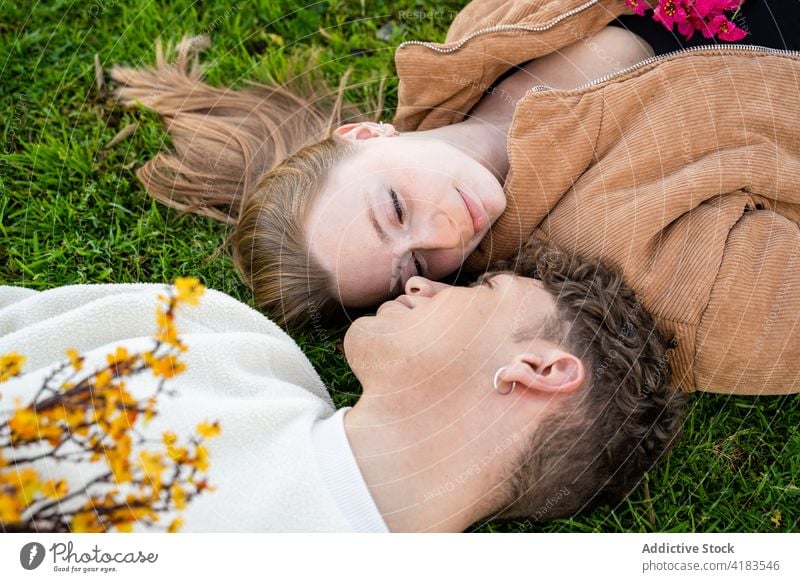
column 419, row 264
column 398, row 208
column 404, row 269
column 416, row 264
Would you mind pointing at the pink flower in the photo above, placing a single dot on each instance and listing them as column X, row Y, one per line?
column 687, row 29
column 668, row 12
column 726, row 29
column 691, row 15
column 638, row 6
column 705, row 7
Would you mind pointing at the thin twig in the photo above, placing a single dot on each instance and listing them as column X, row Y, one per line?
column 98, row 76
column 651, row 514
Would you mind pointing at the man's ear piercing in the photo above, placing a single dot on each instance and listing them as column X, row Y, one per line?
column 383, row 130
column 497, row 377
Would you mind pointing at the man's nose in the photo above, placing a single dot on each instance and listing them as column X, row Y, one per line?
column 422, row 287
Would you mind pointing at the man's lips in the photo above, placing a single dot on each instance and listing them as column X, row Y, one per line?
column 400, row 302
column 475, row 212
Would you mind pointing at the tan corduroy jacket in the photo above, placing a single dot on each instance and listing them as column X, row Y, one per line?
column 683, row 171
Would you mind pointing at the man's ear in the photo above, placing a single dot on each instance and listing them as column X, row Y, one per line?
column 364, row 130
column 553, row 371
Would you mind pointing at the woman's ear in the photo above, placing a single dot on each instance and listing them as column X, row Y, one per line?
column 555, row 371
column 364, row 130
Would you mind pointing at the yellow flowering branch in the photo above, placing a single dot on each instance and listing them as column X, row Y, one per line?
column 90, row 417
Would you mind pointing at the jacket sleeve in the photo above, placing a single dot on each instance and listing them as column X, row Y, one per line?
column 688, row 180
column 748, row 338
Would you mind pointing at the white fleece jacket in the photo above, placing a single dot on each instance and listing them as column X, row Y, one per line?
column 242, row 370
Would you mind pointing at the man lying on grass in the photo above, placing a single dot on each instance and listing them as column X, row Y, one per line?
column 540, row 391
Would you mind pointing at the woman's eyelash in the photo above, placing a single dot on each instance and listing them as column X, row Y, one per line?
column 397, row 207
column 418, row 264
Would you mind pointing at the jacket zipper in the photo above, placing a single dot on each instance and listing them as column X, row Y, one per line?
column 653, row 59
column 538, row 88
column 498, row 28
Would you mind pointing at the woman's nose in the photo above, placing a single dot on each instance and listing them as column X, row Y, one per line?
column 422, row 287
column 441, row 233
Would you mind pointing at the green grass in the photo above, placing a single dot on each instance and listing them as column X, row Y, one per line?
column 73, row 212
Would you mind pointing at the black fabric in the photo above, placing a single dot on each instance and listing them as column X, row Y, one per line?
column 770, row 23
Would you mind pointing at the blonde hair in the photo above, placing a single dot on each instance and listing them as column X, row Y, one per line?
column 253, row 157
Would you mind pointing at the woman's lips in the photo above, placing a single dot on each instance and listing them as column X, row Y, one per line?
column 475, row 212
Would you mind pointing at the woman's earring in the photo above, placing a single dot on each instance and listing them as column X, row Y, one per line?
column 497, row 377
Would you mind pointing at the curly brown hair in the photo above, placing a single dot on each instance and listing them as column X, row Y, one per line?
column 597, row 447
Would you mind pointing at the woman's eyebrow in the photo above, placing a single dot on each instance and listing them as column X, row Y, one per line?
column 374, row 221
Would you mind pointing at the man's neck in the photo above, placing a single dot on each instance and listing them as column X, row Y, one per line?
column 411, row 487
column 433, row 470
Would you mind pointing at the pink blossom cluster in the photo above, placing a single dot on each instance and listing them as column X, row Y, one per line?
column 691, row 15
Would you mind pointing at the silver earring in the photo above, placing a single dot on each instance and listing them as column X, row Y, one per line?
column 497, row 377
column 380, row 126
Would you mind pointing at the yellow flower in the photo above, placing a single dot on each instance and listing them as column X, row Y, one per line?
column 120, row 425
column 208, row 430
column 75, row 359
column 163, row 319
column 178, row 496
column 178, row 454
column 189, row 290
column 168, row 366
column 87, row 522
column 75, row 419
column 136, row 509
column 175, row 525
column 121, row 469
column 153, row 465
column 49, row 424
column 102, row 379
column 55, row 489
column 29, row 484
column 24, row 425
column 11, row 365
column 150, row 409
column 201, row 458
column 51, row 433
column 169, row 438
column 117, row 458
column 10, row 508
column 166, row 328
column 120, row 355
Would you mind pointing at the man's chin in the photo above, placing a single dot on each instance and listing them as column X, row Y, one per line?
column 357, row 336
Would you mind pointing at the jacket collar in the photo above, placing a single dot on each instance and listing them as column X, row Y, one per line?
column 440, row 82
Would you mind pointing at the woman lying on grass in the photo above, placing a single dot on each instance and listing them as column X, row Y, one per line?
column 540, row 119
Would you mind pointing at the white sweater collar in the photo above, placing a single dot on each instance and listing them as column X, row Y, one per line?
column 342, row 475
